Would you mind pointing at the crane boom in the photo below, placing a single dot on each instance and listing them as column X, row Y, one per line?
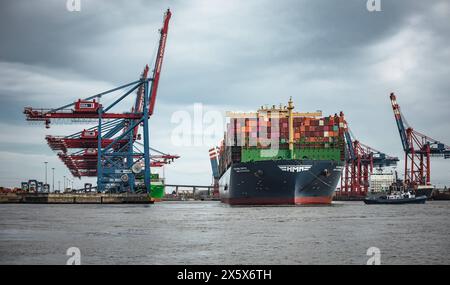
column 139, row 103
column 349, row 141
column 400, row 125
column 159, row 61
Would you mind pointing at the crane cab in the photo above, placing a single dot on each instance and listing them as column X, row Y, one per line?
column 90, row 151
column 86, row 106
column 32, row 186
column 89, row 134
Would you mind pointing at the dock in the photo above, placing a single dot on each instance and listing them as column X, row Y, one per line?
column 74, row 198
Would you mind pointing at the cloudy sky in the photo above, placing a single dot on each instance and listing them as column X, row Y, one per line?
column 227, row 55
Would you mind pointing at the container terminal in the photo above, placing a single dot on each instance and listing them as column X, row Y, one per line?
column 113, row 150
column 313, row 153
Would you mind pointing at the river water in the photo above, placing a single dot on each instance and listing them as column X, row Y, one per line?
column 214, row 233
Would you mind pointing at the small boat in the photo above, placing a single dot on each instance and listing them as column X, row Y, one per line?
column 398, row 198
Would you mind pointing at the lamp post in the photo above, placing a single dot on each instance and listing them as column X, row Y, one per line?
column 64, row 184
column 46, row 162
column 53, row 179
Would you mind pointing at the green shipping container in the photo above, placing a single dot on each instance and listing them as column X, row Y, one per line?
column 254, row 154
column 157, row 191
column 318, row 154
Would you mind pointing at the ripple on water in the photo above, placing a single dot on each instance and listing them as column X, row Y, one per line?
column 210, row 232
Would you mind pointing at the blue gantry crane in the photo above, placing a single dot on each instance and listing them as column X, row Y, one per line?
column 110, row 150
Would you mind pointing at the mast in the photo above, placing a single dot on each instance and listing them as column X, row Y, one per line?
column 290, row 107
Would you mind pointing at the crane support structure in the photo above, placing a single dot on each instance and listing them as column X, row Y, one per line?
column 110, row 150
column 418, row 149
column 360, row 162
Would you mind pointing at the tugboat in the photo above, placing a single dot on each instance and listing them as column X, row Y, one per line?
column 396, row 198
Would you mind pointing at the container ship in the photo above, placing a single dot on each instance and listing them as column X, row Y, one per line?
column 276, row 156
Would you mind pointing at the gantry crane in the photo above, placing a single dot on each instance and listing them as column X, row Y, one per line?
column 359, row 164
column 418, row 149
column 110, row 150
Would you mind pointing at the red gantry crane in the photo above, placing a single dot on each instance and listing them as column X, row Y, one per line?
column 418, row 149
column 359, row 164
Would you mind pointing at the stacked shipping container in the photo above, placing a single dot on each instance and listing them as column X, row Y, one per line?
column 249, row 139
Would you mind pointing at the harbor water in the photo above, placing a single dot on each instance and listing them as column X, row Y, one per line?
column 214, row 233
